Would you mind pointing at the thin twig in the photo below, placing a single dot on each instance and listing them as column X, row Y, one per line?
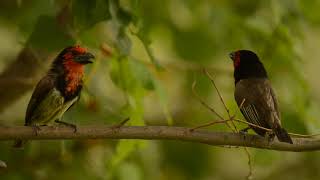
column 231, row 118
column 243, row 100
column 250, row 173
column 215, row 86
column 203, row 102
column 221, row 99
column 254, row 125
column 208, row 124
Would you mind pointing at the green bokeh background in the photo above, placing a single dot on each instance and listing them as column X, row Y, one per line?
column 158, row 48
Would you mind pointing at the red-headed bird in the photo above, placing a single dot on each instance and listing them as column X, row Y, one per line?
column 255, row 96
column 58, row 90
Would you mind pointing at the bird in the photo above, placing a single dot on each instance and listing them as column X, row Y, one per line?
column 255, row 96
column 58, row 90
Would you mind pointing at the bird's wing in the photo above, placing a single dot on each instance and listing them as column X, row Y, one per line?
column 275, row 104
column 250, row 112
column 49, row 109
column 258, row 103
column 43, row 88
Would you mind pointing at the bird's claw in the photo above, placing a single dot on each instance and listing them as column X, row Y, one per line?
column 269, row 136
column 75, row 129
column 244, row 131
column 36, row 129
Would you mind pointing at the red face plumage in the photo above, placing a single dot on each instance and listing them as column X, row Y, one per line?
column 74, row 70
column 75, row 50
column 73, row 76
column 79, row 49
column 236, row 61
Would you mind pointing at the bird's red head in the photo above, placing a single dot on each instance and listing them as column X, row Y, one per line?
column 77, row 55
column 235, row 56
column 247, row 65
column 72, row 60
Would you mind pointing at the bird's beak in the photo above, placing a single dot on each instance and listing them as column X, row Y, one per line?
column 232, row 55
column 84, row 58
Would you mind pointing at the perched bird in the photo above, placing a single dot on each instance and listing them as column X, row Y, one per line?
column 255, row 96
column 58, row 90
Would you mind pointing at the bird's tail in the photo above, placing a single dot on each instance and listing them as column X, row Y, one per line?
column 19, row 143
column 283, row 135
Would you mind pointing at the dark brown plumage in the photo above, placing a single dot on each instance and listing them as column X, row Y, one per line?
column 58, row 90
column 254, row 93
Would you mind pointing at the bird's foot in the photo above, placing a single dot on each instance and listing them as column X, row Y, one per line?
column 269, row 136
column 67, row 124
column 122, row 123
column 244, row 131
column 36, row 129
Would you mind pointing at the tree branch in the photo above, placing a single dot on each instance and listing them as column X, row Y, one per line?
column 157, row 133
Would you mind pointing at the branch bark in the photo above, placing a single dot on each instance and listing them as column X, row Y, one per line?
column 157, row 133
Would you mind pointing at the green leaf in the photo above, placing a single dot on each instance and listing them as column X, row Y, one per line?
column 134, row 79
column 129, row 170
column 124, row 148
column 124, row 16
column 163, row 98
column 48, row 36
column 196, row 44
column 146, row 43
column 88, row 13
column 124, row 43
column 188, row 158
column 142, row 74
column 130, row 74
column 121, row 74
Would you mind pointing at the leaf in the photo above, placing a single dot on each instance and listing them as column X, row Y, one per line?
column 130, row 74
column 124, row 148
column 47, row 35
column 188, row 158
column 134, row 79
column 124, row 16
column 130, row 170
column 121, row 74
column 196, row 44
column 27, row 15
column 124, row 43
column 88, row 13
column 163, row 98
column 146, row 43
column 142, row 74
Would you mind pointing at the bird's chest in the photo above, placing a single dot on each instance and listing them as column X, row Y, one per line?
column 72, row 81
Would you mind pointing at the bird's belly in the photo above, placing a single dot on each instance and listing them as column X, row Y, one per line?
column 51, row 108
column 65, row 107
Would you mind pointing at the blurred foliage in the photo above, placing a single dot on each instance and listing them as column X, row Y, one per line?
column 148, row 55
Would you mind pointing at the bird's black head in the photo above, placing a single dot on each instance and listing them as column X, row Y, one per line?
column 247, row 65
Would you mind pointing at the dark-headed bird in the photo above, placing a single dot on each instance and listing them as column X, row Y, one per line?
column 255, row 96
column 58, row 90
